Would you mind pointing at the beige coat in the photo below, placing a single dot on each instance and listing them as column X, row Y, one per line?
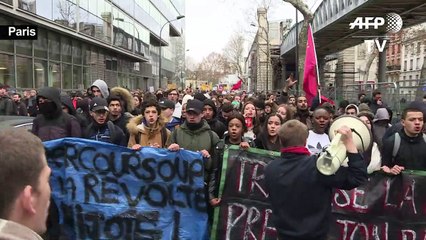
column 14, row 231
column 147, row 136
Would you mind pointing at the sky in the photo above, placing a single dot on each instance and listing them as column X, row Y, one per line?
column 211, row 23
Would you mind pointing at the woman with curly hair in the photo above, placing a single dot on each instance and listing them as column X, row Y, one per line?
column 148, row 129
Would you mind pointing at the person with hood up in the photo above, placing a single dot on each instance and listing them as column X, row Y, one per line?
column 51, row 122
column 68, row 107
column 99, row 88
column 210, row 114
column 148, row 129
column 381, row 123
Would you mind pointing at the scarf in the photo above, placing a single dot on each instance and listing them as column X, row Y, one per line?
column 296, row 149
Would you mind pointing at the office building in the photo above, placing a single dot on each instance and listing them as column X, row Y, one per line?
column 81, row 41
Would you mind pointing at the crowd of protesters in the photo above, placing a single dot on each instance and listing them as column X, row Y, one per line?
column 208, row 121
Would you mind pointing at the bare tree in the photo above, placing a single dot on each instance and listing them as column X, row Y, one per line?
column 234, row 51
column 212, row 68
column 67, row 11
column 303, row 8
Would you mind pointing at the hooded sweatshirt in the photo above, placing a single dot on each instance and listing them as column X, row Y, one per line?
column 215, row 125
column 52, row 123
column 103, row 87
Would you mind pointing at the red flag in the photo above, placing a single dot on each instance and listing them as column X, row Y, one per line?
column 237, row 85
column 310, row 83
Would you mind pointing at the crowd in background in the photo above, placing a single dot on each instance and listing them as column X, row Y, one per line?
column 209, row 121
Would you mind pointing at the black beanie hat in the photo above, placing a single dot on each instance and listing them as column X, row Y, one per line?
column 210, row 103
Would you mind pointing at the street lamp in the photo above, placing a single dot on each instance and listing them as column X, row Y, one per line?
column 160, row 57
column 182, row 79
column 137, row 31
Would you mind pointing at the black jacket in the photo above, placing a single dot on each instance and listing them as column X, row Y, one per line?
column 107, row 132
column 411, row 153
column 218, row 127
column 263, row 142
column 58, row 124
column 301, row 196
column 6, row 106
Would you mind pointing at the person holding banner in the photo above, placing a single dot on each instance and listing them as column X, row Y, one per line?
column 24, row 181
column 299, row 194
column 195, row 135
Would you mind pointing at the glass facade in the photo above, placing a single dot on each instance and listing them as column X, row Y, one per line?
column 56, row 59
column 59, row 61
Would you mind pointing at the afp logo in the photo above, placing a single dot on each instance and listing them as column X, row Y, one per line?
column 393, row 23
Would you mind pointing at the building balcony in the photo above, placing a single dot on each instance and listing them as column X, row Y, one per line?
column 393, row 68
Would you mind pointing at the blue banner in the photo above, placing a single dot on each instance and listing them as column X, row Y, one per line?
column 104, row 191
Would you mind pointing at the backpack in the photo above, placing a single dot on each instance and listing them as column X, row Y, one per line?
column 163, row 137
column 397, row 144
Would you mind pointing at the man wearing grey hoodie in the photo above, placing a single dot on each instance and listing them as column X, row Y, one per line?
column 100, row 89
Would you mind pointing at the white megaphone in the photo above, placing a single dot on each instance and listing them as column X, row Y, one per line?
column 332, row 157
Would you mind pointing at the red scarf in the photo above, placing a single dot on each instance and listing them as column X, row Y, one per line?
column 296, row 149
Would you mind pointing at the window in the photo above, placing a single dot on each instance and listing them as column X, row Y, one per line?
column 6, row 45
column 7, row 70
column 404, row 77
column 67, row 76
column 405, row 65
column 409, row 77
column 418, row 63
column 40, row 45
column 418, row 47
column 411, row 64
column 54, row 79
column 40, row 73
column 24, row 72
column 77, row 77
column 66, row 49
column 54, row 47
column 417, row 76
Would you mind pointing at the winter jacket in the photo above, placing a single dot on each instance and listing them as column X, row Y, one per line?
column 59, row 124
column 20, row 109
column 14, row 231
column 107, row 132
column 6, row 106
column 122, row 122
column 68, row 103
column 215, row 125
column 300, row 195
column 31, row 104
column 197, row 140
column 411, row 153
column 141, row 134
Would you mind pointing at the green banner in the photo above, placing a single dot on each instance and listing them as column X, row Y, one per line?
column 386, row 207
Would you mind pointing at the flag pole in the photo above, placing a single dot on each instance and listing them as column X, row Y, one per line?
column 316, row 65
